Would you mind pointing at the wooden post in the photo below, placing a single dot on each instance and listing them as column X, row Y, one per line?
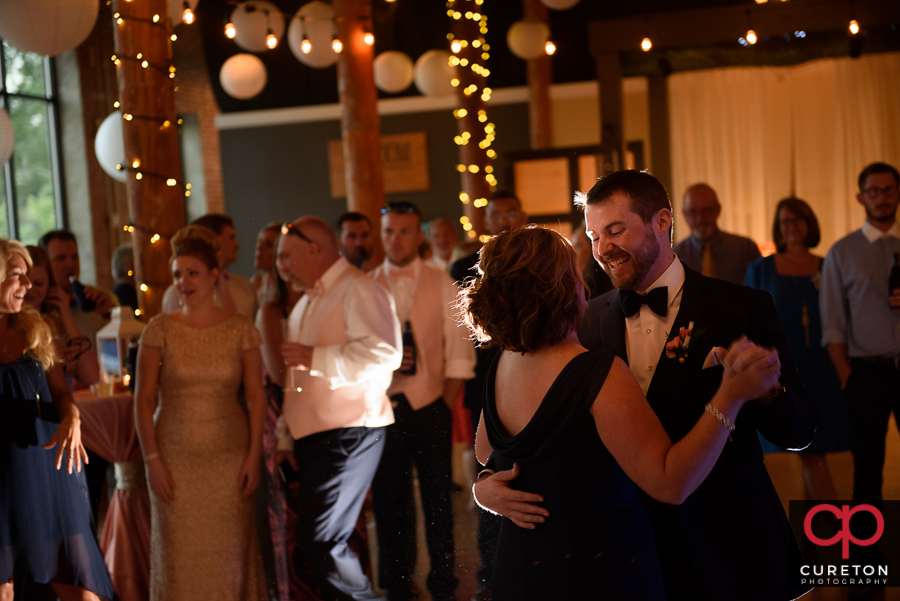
column 609, row 74
column 360, row 125
column 471, row 119
column 540, row 76
column 152, row 157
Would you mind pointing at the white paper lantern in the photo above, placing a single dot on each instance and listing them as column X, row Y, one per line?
column 243, row 76
column 316, row 20
column 7, row 137
column 252, row 26
column 109, row 146
column 176, row 10
column 526, row 38
column 559, row 4
column 48, row 27
column 393, row 71
column 433, row 73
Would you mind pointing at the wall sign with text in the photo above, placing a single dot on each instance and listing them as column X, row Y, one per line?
column 405, row 160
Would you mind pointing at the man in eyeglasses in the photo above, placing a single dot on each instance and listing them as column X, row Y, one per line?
column 708, row 249
column 344, row 345
column 861, row 325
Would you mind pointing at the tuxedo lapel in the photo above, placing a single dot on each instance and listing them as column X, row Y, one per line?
column 612, row 327
column 670, row 380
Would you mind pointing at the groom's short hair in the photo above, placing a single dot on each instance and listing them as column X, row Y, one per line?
column 646, row 194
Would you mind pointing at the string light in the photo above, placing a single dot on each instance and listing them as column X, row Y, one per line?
column 187, row 15
column 305, row 45
column 853, row 27
column 271, row 40
column 230, row 31
column 369, row 38
column 751, row 37
column 336, row 44
column 550, row 48
column 646, row 44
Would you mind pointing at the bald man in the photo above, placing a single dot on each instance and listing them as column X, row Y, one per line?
column 708, row 249
column 344, row 347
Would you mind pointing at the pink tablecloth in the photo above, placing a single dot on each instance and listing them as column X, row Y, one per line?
column 107, row 427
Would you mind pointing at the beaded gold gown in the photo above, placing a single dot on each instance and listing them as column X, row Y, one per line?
column 203, row 544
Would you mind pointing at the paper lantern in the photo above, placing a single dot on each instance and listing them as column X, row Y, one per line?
column 433, row 73
column 252, row 26
column 316, row 21
column 527, row 38
column 243, row 76
column 393, row 71
column 559, row 4
column 7, row 137
column 48, row 27
column 109, row 146
column 176, row 10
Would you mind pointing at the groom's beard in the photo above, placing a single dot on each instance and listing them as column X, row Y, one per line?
column 641, row 262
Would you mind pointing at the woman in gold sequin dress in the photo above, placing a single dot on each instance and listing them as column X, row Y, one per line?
column 202, row 453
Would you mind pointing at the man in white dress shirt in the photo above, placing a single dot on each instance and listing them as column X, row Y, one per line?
column 422, row 392
column 232, row 292
column 345, row 345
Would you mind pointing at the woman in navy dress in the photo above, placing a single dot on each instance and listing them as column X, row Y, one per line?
column 45, row 519
column 577, row 423
column 792, row 277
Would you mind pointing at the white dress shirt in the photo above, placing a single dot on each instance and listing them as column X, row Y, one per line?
column 350, row 322
column 647, row 332
column 426, row 297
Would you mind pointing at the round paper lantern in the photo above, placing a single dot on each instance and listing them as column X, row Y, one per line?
column 243, row 76
column 316, row 21
column 393, row 71
column 48, row 27
column 433, row 73
column 526, row 38
column 109, row 146
column 176, row 10
column 7, row 137
column 559, row 4
column 251, row 25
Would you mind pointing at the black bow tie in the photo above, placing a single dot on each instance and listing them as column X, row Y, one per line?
column 657, row 299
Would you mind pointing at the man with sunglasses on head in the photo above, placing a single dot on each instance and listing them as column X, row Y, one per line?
column 709, row 250
column 344, row 347
column 438, row 358
column 861, row 326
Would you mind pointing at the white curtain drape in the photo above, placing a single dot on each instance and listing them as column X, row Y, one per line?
column 757, row 134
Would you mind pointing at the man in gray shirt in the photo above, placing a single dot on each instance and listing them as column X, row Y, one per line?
column 861, row 325
column 708, row 249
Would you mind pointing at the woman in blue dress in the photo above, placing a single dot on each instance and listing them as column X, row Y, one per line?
column 791, row 275
column 45, row 521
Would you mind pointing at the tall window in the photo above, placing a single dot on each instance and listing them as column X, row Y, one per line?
column 30, row 188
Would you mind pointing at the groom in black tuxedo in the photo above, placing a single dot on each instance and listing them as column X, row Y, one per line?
column 730, row 540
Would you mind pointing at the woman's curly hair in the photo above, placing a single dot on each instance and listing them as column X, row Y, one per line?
column 530, row 293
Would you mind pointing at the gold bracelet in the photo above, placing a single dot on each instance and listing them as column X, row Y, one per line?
column 721, row 417
column 151, row 456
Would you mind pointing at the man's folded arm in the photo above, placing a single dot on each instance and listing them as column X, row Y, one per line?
column 374, row 348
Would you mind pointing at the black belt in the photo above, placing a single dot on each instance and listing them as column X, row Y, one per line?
column 893, row 362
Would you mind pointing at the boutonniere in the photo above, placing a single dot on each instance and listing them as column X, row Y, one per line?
column 679, row 345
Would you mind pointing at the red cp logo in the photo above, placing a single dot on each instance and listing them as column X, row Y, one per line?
column 845, row 536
